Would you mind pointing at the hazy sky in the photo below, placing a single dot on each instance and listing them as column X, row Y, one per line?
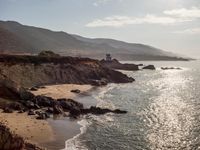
column 172, row 25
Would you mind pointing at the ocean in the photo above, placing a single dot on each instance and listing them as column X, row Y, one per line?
column 163, row 112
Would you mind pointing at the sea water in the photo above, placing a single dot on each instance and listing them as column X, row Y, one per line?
column 163, row 112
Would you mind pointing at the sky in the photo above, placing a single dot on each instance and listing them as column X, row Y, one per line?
column 171, row 25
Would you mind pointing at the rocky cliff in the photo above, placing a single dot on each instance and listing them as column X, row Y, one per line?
column 28, row 71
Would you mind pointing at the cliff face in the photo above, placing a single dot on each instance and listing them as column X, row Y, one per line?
column 28, row 71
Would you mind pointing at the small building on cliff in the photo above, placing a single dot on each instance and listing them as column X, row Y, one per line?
column 108, row 57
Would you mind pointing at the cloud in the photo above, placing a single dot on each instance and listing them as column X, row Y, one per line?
column 168, row 17
column 189, row 31
column 119, row 21
column 184, row 13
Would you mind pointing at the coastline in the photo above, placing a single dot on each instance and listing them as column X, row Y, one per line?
column 64, row 128
column 32, row 130
column 51, row 133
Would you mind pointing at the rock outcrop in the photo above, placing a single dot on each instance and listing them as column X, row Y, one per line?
column 150, row 67
column 115, row 64
column 171, row 68
column 29, row 71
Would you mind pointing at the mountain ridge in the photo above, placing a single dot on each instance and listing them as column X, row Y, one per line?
column 32, row 40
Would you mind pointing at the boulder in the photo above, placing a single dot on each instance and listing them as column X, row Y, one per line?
column 100, row 111
column 7, row 110
column 21, row 111
column 13, row 106
column 50, row 110
column 31, row 112
column 33, row 89
column 75, row 113
column 30, row 105
column 170, row 68
column 118, row 111
column 57, row 109
column 43, row 101
column 150, row 67
column 101, row 82
column 76, row 91
column 43, row 116
column 115, row 64
column 69, row 104
column 36, row 106
column 16, row 106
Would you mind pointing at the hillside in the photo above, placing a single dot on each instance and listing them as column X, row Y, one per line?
column 18, row 38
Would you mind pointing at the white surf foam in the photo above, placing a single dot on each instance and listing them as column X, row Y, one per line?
column 75, row 143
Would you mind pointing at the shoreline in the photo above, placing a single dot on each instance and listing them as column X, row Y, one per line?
column 64, row 128
column 67, row 129
column 32, row 130
column 51, row 132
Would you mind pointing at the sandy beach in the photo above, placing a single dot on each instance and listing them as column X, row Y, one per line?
column 46, row 131
column 35, row 131
column 62, row 90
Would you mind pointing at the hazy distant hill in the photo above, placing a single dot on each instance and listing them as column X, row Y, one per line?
column 18, row 38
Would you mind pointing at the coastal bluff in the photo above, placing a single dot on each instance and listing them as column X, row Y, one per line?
column 17, row 71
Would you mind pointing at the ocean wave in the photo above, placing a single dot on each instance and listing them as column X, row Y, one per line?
column 75, row 143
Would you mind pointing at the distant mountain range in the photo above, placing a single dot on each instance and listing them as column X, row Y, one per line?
column 21, row 39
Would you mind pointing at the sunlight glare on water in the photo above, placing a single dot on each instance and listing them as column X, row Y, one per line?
column 171, row 119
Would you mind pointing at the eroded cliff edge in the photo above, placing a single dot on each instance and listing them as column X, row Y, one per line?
column 28, row 71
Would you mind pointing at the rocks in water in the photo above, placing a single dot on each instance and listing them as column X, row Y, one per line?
column 115, row 64
column 99, row 111
column 170, row 68
column 118, row 111
column 102, row 82
column 140, row 65
column 150, row 67
column 68, row 104
column 75, row 113
column 94, row 110
column 76, row 91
